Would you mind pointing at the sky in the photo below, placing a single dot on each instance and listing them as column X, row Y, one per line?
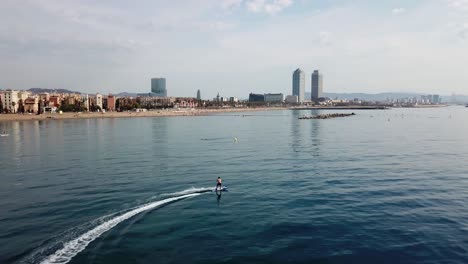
column 234, row 47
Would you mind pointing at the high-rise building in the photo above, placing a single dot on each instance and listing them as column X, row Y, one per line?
column 298, row 84
column 198, row 94
column 158, row 87
column 316, row 85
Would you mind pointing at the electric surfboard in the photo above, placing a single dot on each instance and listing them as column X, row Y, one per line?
column 222, row 189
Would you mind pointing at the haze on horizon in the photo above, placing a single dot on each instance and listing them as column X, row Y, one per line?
column 234, row 47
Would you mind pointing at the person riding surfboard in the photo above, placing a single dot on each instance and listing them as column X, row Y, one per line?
column 219, row 183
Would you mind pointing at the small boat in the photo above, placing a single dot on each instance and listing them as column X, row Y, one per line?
column 4, row 135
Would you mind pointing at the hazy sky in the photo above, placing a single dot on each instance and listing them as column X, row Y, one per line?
column 234, row 46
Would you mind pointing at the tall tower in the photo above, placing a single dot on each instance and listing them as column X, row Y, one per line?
column 158, row 87
column 317, row 85
column 198, row 94
column 298, row 84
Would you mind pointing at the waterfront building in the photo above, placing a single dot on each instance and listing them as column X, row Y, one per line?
column 256, row 97
column 233, row 99
column 11, row 101
column 298, row 84
column 292, row 99
column 316, row 85
column 54, row 100
column 23, row 95
column 436, row 99
column 70, row 100
column 99, row 100
column 198, row 94
column 44, row 97
column 152, row 102
column 185, row 103
column 85, row 101
column 274, row 98
column 158, row 87
column 31, row 105
column 110, row 102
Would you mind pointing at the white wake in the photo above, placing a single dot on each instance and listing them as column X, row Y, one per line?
column 190, row 190
column 71, row 248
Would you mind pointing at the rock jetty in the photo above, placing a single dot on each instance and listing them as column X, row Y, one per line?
column 327, row 116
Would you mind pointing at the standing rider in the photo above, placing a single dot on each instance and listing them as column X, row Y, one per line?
column 218, row 183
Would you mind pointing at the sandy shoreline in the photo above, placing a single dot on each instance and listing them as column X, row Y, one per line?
column 157, row 113
column 172, row 112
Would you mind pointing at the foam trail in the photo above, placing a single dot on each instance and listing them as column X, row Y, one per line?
column 191, row 190
column 72, row 248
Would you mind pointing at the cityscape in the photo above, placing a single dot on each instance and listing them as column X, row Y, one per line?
column 37, row 101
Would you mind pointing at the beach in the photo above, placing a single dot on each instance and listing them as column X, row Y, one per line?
column 154, row 113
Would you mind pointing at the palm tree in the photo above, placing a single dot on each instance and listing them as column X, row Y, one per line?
column 21, row 106
column 13, row 104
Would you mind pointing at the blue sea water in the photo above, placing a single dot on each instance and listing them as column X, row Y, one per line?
column 384, row 186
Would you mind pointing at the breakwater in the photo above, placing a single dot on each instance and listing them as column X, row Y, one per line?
column 327, row 116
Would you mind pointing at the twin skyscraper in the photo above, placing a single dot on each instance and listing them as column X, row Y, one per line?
column 298, row 85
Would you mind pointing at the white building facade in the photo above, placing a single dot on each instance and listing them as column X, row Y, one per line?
column 11, row 101
column 99, row 100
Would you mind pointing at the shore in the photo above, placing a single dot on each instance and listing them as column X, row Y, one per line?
column 177, row 112
column 155, row 113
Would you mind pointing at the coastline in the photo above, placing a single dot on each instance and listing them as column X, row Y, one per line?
column 179, row 112
column 156, row 113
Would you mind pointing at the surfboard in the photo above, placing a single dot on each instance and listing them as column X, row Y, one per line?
column 222, row 189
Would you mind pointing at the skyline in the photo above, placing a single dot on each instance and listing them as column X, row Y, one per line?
column 235, row 47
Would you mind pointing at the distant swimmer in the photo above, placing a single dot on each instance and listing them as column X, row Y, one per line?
column 219, row 183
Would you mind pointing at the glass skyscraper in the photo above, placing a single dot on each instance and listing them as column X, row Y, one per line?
column 298, row 84
column 158, row 87
column 317, row 85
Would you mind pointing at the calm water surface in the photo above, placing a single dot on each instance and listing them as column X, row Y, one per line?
column 379, row 187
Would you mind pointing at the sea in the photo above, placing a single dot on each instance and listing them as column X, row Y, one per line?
column 382, row 186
